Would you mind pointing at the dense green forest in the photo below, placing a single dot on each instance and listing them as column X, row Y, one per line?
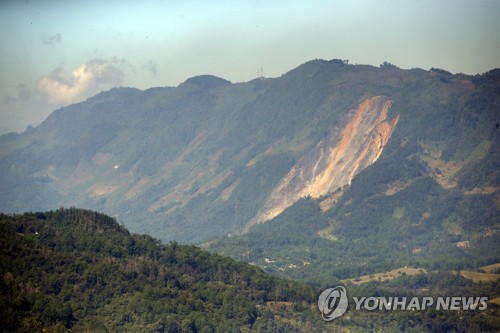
column 303, row 243
column 74, row 270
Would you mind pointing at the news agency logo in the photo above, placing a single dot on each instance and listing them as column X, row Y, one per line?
column 333, row 303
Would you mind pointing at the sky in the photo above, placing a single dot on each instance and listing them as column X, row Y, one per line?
column 54, row 53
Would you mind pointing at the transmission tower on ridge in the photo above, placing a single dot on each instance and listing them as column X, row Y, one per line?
column 260, row 73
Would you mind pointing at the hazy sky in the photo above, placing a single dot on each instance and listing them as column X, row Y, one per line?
column 53, row 53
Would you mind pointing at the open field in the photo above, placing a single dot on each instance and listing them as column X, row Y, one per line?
column 389, row 275
column 480, row 277
column 495, row 301
column 490, row 268
column 395, row 273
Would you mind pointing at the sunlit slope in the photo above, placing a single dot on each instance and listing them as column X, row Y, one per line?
column 335, row 160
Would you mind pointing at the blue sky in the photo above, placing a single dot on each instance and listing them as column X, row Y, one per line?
column 53, row 53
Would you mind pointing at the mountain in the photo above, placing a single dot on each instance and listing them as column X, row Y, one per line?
column 335, row 160
column 73, row 270
column 332, row 174
column 381, row 148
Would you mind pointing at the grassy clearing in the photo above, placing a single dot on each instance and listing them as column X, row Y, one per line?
column 444, row 172
column 495, row 301
column 389, row 275
column 405, row 271
column 490, row 268
column 327, row 233
column 476, row 277
column 480, row 277
column 480, row 151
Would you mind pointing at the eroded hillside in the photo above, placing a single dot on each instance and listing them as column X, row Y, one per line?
column 336, row 159
column 209, row 157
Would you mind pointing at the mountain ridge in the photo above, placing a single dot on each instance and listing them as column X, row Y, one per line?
column 200, row 160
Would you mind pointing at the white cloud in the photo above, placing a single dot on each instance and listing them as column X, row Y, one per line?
column 85, row 81
column 31, row 103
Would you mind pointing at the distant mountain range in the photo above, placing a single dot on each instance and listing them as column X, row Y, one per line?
column 379, row 150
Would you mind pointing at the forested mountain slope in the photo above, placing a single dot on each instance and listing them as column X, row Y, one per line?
column 74, row 270
column 208, row 158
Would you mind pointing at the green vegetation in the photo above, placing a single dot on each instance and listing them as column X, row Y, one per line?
column 73, row 270
column 366, row 237
column 374, row 265
column 389, row 275
column 426, row 284
column 208, row 153
column 480, row 277
column 197, row 162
